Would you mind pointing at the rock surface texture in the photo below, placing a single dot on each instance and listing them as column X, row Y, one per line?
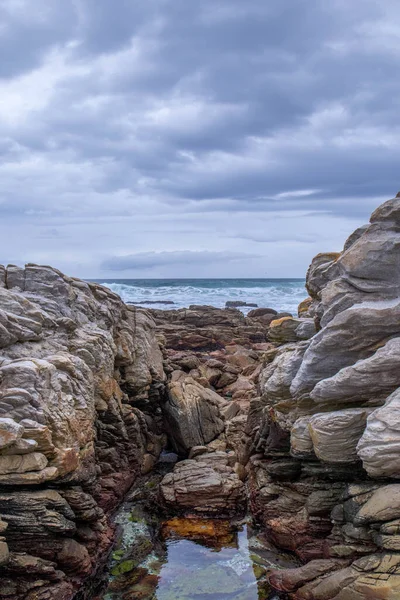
column 75, row 365
column 325, row 471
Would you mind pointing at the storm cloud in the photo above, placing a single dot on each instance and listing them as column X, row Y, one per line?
column 135, row 133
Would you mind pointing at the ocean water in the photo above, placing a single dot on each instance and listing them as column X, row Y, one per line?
column 280, row 294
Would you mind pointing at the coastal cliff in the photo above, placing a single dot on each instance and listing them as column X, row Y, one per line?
column 295, row 418
column 325, row 479
column 75, row 364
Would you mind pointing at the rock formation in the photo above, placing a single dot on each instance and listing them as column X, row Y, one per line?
column 304, row 411
column 75, row 364
column 328, row 423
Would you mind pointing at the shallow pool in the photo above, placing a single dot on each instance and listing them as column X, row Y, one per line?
column 192, row 559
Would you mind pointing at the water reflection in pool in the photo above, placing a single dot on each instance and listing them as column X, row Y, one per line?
column 198, row 559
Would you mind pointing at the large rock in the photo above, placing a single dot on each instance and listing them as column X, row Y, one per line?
column 10, row 432
column 338, row 399
column 372, row 378
column 289, row 329
column 208, row 484
column 379, row 446
column 75, row 365
column 335, row 435
column 192, row 413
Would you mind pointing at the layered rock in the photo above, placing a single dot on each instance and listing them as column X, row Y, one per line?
column 207, row 484
column 213, row 359
column 327, row 424
column 75, row 364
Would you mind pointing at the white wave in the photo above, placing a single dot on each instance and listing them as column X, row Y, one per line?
column 282, row 295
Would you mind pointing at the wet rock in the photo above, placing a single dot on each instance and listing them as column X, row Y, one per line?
column 289, row 580
column 239, row 303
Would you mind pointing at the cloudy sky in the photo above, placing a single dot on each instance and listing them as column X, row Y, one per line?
column 184, row 138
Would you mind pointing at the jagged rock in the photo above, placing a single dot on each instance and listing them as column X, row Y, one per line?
column 320, row 272
column 374, row 377
column 192, row 413
column 10, row 432
column 289, row 580
column 74, row 360
column 206, row 329
column 333, row 397
column 208, row 484
column 22, row 464
column 289, row 329
column 379, row 445
column 335, row 435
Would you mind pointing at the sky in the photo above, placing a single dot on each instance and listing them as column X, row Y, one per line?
column 194, row 138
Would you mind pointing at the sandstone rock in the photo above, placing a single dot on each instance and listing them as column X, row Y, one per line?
column 373, row 377
column 289, row 329
column 335, row 435
column 206, row 485
column 262, row 312
column 22, row 446
column 321, row 271
column 10, row 432
column 383, row 505
column 304, row 307
column 277, row 377
column 4, row 552
column 74, row 361
column 301, row 443
column 349, row 337
column 192, row 413
column 22, row 464
column 288, row 580
column 375, row 576
column 379, row 445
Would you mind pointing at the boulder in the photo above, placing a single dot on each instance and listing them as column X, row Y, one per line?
column 335, row 435
column 207, row 484
column 379, row 446
column 10, row 432
column 192, row 413
column 289, row 329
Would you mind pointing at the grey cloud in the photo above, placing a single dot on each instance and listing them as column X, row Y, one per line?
column 195, row 108
column 149, row 260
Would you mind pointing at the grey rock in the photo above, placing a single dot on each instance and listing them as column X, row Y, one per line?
column 335, row 435
column 207, row 485
column 192, row 413
column 379, row 446
column 10, row 432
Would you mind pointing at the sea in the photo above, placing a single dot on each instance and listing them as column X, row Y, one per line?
column 280, row 294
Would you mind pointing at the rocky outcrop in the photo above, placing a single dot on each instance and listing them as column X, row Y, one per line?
column 213, row 379
column 207, row 484
column 75, row 366
column 326, row 425
column 193, row 413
